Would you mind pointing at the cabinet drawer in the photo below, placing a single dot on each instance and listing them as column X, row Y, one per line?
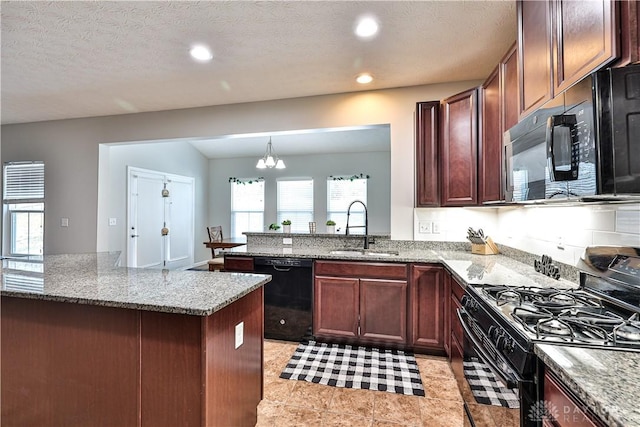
column 234, row 263
column 374, row 270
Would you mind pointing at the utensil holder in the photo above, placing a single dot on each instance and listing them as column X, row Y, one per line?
column 488, row 248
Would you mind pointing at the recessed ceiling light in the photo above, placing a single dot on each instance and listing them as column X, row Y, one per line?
column 364, row 78
column 366, row 27
column 201, row 53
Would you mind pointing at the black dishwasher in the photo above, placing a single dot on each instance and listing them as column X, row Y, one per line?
column 287, row 297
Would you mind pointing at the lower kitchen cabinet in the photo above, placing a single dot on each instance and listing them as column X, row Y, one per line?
column 428, row 308
column 238, row 264
column 336, row 307
column 360, row 303
column 455, row 335
column 569, row 412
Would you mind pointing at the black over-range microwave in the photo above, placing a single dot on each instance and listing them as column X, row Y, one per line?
column 583, row 144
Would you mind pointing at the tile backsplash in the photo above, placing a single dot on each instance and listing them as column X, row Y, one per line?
column 561, row 232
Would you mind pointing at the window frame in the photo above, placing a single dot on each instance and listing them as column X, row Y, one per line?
column 250, row 213
column 13, row 197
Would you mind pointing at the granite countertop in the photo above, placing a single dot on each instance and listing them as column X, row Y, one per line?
column 97, row 279
column 467, row 267
column 607, row 381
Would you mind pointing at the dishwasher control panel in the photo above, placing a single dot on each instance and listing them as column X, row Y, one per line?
column 284, row 262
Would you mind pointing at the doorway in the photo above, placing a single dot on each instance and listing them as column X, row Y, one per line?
column 160, row 219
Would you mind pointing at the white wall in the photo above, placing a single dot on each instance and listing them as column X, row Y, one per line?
column 562, row 232
column 69, row 148
column 177, row 158
column 318, row 167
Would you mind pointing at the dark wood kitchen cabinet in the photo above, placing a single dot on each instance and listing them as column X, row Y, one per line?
column 427, row 177
column 240, row 264
column 427, row 301
column 571, row 412
column 455, row 334
column 534, row 52
column 490, row 147
column 459, row 149
column 360, row 302
column 584, row 39
column 499, row 112
column 561, row 42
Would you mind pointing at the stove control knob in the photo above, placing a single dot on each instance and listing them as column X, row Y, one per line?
column 495, row 333
column 509, row 346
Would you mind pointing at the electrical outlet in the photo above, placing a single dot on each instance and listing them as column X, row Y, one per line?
column 239, row 334
column 435, row 227
column 424, row 227
column 113, row 221
column 64, row 222
column 287, row 240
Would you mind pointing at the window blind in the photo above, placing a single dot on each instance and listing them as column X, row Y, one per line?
column 24, row 181
column 295, row 202
column 340, row 193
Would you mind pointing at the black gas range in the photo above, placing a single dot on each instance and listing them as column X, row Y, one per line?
column 502, row 323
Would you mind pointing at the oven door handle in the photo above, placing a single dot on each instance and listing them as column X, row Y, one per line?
column 510, row 381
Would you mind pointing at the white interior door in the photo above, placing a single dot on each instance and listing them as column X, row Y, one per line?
column 179, row 220
column 149, row 212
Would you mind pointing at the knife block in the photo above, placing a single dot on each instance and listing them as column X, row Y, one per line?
column 489, row 248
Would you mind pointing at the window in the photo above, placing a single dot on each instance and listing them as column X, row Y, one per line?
column 340, row 193
column 295, row 202
column 23, row 199
column 247, row 207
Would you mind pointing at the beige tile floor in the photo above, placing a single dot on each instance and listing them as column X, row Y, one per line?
column 299, row 403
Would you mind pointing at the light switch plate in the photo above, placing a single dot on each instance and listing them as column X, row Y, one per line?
column 287, row 241
column 239, row 334
column 435, row 227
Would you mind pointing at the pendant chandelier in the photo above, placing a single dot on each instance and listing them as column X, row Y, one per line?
column 270, row 159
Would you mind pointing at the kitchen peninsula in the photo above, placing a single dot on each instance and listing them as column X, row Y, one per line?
column 85, row 342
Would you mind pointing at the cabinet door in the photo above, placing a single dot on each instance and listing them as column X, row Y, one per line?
column 446, row 324
column 571, row 413
column 509, row 91
column 383, row 311
column 584, row 39
column 427, row 307
column 427, row 186
column 534, row 51
column 336, row 307
column 490, row 147
column 459, row 149
column 629, row 51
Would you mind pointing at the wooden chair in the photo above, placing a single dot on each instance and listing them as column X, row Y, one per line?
column 215, row 235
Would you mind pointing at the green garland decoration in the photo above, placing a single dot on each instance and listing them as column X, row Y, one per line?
column 251, row 181
column 350, row 178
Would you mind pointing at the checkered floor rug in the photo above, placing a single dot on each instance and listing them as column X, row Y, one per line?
column 348, row 366
column 486, row 388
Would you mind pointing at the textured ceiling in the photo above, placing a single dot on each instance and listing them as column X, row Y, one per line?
column 92, row 58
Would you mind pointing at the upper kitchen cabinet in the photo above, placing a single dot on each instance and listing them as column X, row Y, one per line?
column 534, row 52
column 584, row 39
column 509, row 91
column 629, row 32
column 490, row 148
column 459, row 149
column 499, row 112
column 559, row 43
column 427, row 186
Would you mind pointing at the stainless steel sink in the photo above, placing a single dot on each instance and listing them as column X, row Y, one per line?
column 367, row 252
column 347, row 252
